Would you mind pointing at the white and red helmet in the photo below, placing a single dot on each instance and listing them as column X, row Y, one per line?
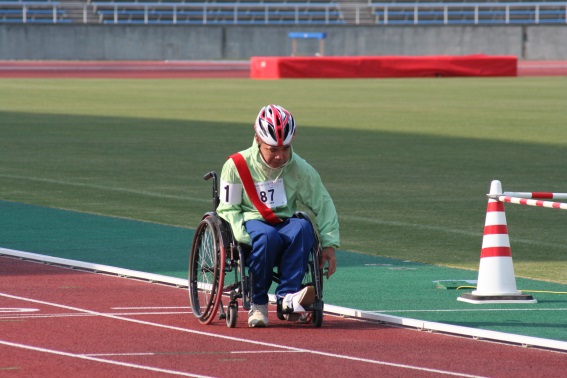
column 275, row 126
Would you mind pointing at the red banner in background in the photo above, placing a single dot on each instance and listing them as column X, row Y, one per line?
column 382, row 66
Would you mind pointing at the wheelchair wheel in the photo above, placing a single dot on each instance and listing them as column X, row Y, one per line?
column 232, row 314
column 313, row 277
column 206, row 270
column 317, row 318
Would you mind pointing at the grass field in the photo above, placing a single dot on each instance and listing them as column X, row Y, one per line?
column 407, row 161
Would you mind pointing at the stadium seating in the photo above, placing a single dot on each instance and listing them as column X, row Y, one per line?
column 467, row 13
column 42, row 11
column 217, row 12
column 286, row 12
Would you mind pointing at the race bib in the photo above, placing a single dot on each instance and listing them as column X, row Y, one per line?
column 230, row 193
column 271, row 193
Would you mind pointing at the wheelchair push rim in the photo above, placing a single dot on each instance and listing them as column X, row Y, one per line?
column 206, row 271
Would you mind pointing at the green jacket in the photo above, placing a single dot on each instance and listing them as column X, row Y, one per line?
column 302, row 184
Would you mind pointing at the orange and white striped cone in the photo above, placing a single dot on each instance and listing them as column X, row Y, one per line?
column 496, row 280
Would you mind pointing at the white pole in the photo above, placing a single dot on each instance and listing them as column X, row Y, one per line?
column 541, row 195
column 529, row 202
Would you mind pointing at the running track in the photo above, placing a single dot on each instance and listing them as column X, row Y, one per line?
column 57, row 322
column 186, row 69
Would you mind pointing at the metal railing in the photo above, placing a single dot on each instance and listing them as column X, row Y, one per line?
column 271, row 13
column 31, row 11
column 504, row 13
column 218, row 13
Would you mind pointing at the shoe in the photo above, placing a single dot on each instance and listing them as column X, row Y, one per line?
column 296, row 303
column 258, row 316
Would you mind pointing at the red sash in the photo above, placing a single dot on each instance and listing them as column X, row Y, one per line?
column 248, row 183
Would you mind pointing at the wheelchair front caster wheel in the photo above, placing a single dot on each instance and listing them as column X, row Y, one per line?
column 231, row 314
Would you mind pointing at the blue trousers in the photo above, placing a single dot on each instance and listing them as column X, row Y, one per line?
column 286, row 245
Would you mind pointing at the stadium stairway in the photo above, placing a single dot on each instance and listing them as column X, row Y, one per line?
column 79, row 14
column 365, row 17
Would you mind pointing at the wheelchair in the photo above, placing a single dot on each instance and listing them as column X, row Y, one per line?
column 218, row 273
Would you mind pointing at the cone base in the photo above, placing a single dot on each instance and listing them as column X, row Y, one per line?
column 480, row 299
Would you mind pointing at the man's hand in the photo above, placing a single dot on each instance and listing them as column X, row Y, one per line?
column 328, row 255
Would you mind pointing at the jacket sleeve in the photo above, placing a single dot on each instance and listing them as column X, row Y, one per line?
column 232, row 212
column 315, row 196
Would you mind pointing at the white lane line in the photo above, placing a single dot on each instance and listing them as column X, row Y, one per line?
column 238, row 339
column 17, row 310
column 444, row 229
column 150, row 308
column 264, row 351
column 189, row 353
column 120, row 354
column 472, row 310
column 107, row 188
column 75, row 315
column 111, row 362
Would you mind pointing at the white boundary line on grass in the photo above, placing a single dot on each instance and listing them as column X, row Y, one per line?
column 105, row 187
column 332, row 309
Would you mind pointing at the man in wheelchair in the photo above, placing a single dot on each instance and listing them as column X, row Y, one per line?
column 259, row 191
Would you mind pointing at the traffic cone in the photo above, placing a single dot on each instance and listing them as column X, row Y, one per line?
column 496, row 280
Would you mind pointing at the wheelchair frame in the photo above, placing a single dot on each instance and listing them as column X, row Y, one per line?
column 215, row 255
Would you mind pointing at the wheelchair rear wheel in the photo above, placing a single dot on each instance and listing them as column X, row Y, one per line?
column 206, row 270
column 313, row 277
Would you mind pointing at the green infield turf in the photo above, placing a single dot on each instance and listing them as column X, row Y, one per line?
column 407, row 161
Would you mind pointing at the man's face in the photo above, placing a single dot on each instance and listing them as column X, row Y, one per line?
column 274, row 156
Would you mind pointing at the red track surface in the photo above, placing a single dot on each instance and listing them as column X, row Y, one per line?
column 124, row 69
column 186, row 69
column 81, row 324
column 542, row 68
